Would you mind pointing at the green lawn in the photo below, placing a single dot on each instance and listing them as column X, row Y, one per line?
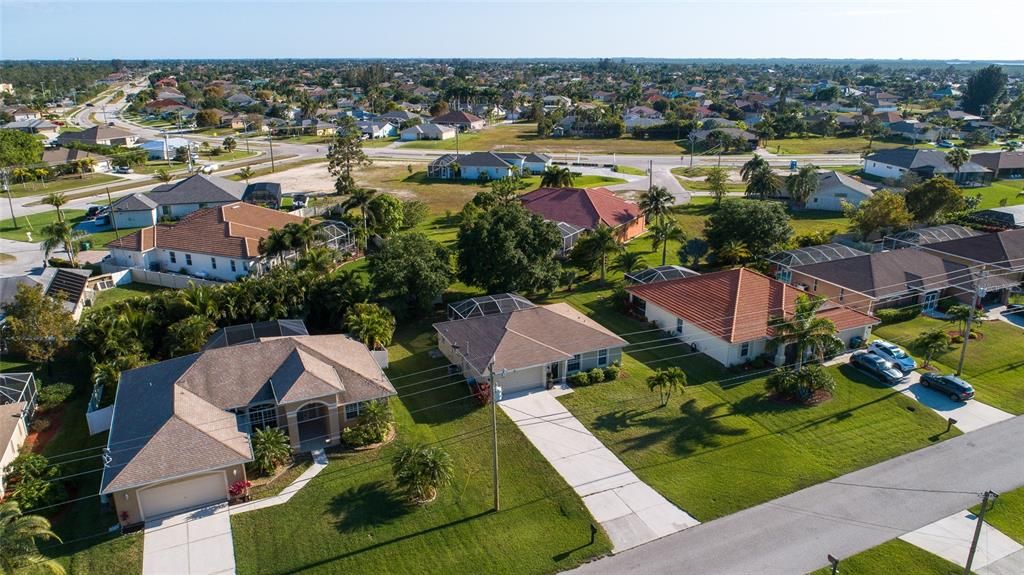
column 352, row 519
column 993, row 363
column 101, row 239
column 63, row 184
column 33, row 223
column 1007, row 514
column 812, row 144
column 121, row 293
column 524, row 137
column 691, row 217
column 379, row 142
column 630, row 170
column 896, row 556
column 1008, row 192
column 723, row 445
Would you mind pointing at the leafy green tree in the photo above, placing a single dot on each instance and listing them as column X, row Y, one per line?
column 276, row 243
column 557, row 177
column 761, row 226
column 664, row 232
column 959, row 314
column 666, row 382
column 694, row 249
column 18, row 549
column 188, row 335
column 805, row 330
column 19, row 149
column 594, row 249
column 371, row 324
column 802, row 185
column 656, row 202
column 245, row 173
column 932, row 343
column 345, row 155
column 885, row 210
column 717, row 180
column 162, row 175
column 360, row 198
column 38, row 325
column 984, row 89
column 229, row 144
column 29, row 480
column 388, row 214
column 412, row 267
column 761, row 181
column 506, row 248
column 420, row 471
column 414, row 212
column 270, row 448
column 733, row 252
column 932, row 200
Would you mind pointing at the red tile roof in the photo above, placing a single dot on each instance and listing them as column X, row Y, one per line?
column 585, row 208
column 232, row 230
column 737, row 305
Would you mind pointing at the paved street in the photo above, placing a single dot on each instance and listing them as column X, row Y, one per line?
column 793, row 534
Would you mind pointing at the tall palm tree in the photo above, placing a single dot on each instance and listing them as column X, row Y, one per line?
column 662, row 233
column 763, row 183
column 557, row 177
column 753, row 165
column 276, row 243
column 18, row 535
column 360, row 198
column 61, row 234
column 932, row 343
column 57, row 200
column 629, row 262
column 805, row 330
column 733, row 252
column 957, row 157
column 603, row 243
column 656, row 201
column 802, row 185
column 422, row 470
column 302, row 234
column 163, row 175
column 666, row 381
column 371, row 324
column 245, row 173
column 320, row 260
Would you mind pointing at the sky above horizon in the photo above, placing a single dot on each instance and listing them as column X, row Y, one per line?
column 191, row 29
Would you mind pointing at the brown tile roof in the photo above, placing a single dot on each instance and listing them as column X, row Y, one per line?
column 233, row 230
column 527, row 337
column 736, row 305
column 580, row 207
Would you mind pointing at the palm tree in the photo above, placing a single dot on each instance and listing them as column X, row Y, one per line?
column 957, row 157
column 61, row 234
column 667, row 381
column 628, row 262
column 733, row 252
column 664, row 232
column 371, row 324
column 932, row 343
column 802, row 185
column 360, row 198
column 421, row 471
column 601, row 242
column 753, row 165
column 270, row 448
column 245, row 173
column 57, row 200
column 656, row 201
column 805, row 330
column 18, row 535
column 320, row 260
column 761, row 180
column 276, row 243
column 199, row 301
column 557, row 177
column 163, row 175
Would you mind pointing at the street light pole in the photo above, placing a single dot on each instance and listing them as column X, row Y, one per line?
column 4, row 175
column 967, row 327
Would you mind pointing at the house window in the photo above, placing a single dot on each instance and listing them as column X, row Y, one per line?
column 188, row 259
column 165, row 210
column 353, row 410
column 255, row 417
column 602, row 357
column 573, row 364
column 213, row 262
column 745, row 349
column 234, row 268
column 173, row 256
column 679, row 326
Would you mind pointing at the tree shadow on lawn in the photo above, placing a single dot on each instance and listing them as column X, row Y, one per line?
column 694, row 428
column 368, row 505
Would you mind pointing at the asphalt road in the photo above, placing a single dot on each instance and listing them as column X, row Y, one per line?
column 794, row 534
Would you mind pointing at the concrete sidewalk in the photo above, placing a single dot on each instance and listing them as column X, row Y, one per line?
column 631, row 512
column 950, row 538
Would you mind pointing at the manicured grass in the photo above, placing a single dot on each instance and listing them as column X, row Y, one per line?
column 524, row 137
column 812, row 144
column 101, row 239
column 1010, row 192
column 1007, row 514
column 724, row 445
column 352, row 518
column 691, row 217
column 61, row 185
column 896, row 556
column 630, row 170
column 34, row 223
column 121, row 293
column 275, row 486
column 379, row 143
column 992, row 365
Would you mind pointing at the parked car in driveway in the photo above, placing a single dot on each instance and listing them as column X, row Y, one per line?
column 894, row 354
column 877, row 367
column 956, row 388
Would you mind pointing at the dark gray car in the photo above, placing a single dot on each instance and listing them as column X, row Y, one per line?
column 956, row 388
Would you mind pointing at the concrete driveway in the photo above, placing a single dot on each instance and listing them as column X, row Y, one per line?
column 969, row 415
column 194, row 543
column 950, row 538
column 631, row 512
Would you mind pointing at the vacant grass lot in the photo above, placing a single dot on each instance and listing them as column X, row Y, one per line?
column 812, row 144
column 524, row 137
column 724, row 445
column 896, row 556
column 352, row 519
column 34, row 223
column 993, row 364
column 63, row 184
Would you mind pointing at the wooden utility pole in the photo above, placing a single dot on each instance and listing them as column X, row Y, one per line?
column 110, row 214
column 977, row 529
column 495, row 396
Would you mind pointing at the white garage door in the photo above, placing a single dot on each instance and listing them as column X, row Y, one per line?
column 183, row 495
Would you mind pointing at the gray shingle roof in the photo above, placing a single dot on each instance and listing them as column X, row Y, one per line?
column 197, row 189
column 913, row 159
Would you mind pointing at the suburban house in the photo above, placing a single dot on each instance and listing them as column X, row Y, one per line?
column 576, row 211
column 835, row 189
column 68, row 286
column 917, row 237
column 427, row 132
column 1005, row 165
column 376, row 129
column 473, row 166
column 240, row 100
column 17, row 405
column 527, row 162
column 462, row 121
column 917, row 131
column 398, row 117
column 526, row 347
column 180, row 431
column 34, row 126
column 175, row 200
column 100, row 136
column 998, row 259
column 729, row 315
column 56, row 157
column 926, row 164
column 317, row 127
column 220, row 243
column 781, row 263
column 165, row 149
column 701, row 136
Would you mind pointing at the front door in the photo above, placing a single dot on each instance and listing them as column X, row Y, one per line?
column 930, row 300
column 554, row 372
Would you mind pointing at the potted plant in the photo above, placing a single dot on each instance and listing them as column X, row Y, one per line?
column 239, row 491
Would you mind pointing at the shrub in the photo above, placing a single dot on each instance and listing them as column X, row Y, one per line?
column 372, row 427
column 891, row 316
column 611, row 373
column 51, row 396
column 270, row 448
column 40, row 424
column 596, row 375
column 580, row 379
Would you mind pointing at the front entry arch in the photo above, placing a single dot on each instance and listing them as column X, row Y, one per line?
column 313, row 423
